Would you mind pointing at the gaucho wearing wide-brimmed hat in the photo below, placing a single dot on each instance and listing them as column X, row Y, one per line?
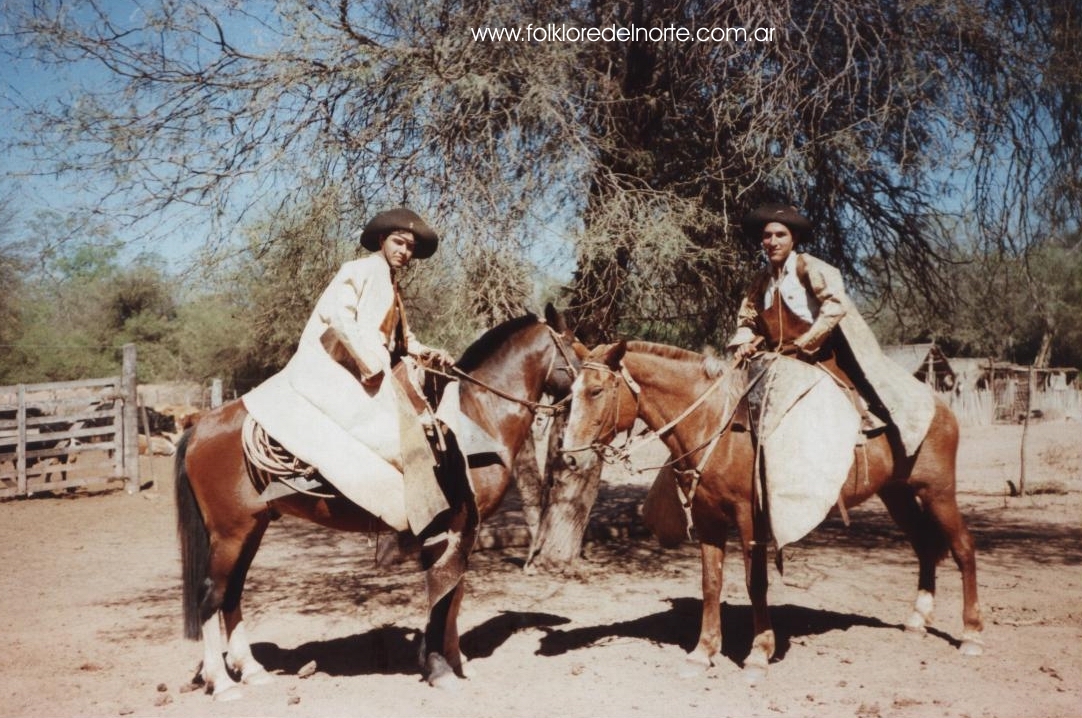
column 338, row 386
column 403, row 219
column 785, row 214
column 798, row 306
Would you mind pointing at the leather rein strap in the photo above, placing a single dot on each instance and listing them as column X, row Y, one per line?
column 534, row 406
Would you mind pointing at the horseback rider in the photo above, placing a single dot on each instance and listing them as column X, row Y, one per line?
column 798, row 306
column 362, row 305
column 333, row 405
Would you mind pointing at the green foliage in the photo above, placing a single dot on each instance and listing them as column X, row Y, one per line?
column 80, row 306
column 14, row 263
column 214, row 341
column 447, row 306
column 891, row 123
column 289, row 261
column 1004, row 305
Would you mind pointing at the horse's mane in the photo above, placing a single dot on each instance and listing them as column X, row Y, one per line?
column 664, row 351
column 491, row 340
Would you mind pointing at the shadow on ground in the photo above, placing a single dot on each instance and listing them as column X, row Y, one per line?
column 679, row 626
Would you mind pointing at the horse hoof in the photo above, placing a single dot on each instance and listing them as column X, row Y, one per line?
column 694, row 666
column 440, row 674
column 754, row 675
column 229, row 693
column 916, row 624
column 915, row 628
column 971, row 647
column 467, row 669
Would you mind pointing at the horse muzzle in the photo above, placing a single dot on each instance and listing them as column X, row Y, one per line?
column 580, row 458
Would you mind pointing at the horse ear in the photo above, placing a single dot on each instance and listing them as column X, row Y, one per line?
column 554, row 318
column 581, row 350
column 615, row 353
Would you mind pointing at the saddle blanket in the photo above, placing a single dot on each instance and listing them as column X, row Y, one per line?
column 322, row 415
column 808, row 429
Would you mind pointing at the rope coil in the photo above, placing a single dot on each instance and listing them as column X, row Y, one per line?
column 268, row 456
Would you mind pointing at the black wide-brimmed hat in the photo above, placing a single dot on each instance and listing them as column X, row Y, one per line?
column 400, row 218
column 786, row 214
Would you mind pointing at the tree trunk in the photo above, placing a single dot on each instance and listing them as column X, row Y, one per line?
column 1044, row 354
column 565, row 511
column 530, row 483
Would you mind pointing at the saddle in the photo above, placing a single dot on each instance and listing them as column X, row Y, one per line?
column 277, row 473
column 807, row 428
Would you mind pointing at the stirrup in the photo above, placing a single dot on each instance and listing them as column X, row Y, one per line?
column 289, row 485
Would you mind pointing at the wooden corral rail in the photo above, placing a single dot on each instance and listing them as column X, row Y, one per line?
column 62, row 435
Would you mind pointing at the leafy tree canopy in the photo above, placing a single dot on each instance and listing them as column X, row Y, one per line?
column 898, row 127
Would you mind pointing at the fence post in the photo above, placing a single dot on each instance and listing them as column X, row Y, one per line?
column 20, row 440
column 215, row 393
column 128, row 387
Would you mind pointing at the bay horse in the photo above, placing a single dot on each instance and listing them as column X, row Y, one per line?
column 221, row 519
column 659, row 384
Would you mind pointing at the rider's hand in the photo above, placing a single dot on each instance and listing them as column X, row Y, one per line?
column 439, row 357
column 744, row 351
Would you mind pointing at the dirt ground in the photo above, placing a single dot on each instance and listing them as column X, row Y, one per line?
column 92, row 613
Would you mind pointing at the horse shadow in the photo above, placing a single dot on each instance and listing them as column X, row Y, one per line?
column 390, row 650
column 679, row 626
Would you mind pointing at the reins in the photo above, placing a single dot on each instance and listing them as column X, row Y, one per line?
column 534, row 406
column 610, row 454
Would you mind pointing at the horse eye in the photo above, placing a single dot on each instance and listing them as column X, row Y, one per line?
column 595, row 391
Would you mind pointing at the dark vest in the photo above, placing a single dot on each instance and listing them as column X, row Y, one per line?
column 779, row 325
column 394, row 326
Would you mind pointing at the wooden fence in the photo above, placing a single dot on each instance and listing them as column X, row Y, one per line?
column 1009, row 406
column 62, row 435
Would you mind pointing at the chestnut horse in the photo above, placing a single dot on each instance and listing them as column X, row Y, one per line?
column 221, row 519
column 659, row 384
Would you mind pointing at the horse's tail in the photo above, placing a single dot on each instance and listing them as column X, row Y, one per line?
column 194, row 542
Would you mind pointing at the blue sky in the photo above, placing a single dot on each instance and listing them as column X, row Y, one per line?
column 176, row 234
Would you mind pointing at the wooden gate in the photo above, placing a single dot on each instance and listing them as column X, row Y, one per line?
column 62, row 435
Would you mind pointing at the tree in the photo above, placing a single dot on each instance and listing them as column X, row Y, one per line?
column 72, row 300
column 889, row 122
column 1019, row 305
column 14, row 263
column 865, row 112
column 1053, row 279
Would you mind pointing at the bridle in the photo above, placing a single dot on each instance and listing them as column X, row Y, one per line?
column 606, row 451
column 533, row 406
column 610, row 454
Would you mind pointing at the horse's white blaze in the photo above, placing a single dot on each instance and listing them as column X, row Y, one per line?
column 576, row 385
column 578, row 445
column 574, row 418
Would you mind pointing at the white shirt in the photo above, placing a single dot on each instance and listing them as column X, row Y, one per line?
column 796, row 296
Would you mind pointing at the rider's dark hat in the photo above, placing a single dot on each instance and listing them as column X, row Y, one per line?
column 786, row 214
column 400, row 218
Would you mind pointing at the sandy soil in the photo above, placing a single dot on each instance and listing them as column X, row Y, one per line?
column 92, row 613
